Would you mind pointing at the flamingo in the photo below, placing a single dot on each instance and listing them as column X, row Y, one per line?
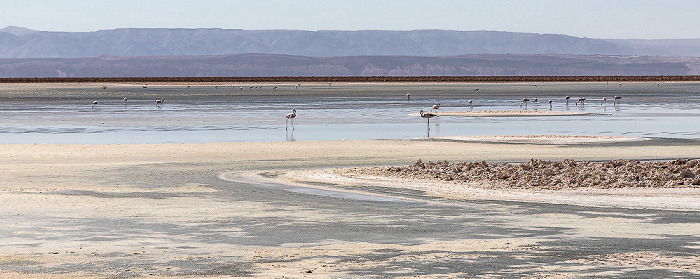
column 535, row 101
column 125, row 99
column 581, row 100
column 550, row 104
column 408, row 97
column 159, row 102
column 616, row 100
column 290, row 117
column 436, row 107
column 104, row 86
column 525, row 100
column 94, row 103
column 567, row 99
column 477, row 89
column 427, row 115
column 605, row 101
column 471, row 106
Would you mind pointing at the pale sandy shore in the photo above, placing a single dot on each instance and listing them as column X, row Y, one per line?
column 685, row 199
column 160, row 210
column 510, row 113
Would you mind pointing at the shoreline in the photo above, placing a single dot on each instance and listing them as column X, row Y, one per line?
column 675, row 199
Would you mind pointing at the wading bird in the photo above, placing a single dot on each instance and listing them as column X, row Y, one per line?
column 605, row 101
column 159, row 102
column 427, row 115
column 581, row 100
column 471, row 105
column 550, row 104
column 94, row 103
column 290, row 117
column 436, row 107
column 567, row 99
column 616, row 100
column 525, row 100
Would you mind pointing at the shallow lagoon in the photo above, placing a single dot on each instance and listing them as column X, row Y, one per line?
column 206, row 113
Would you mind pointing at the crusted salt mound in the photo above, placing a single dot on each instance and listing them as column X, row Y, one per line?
column 540, row 174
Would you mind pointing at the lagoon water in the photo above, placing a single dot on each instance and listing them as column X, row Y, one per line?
column 62, row 114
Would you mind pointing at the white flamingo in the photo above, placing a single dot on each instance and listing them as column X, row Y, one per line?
column 436, row 107
column 159, row 102
column 290, row 117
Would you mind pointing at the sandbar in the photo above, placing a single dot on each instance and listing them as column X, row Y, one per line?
column 511, row 113
column 543, row 139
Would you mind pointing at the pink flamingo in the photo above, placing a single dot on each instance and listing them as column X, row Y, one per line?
column 290, row 117
column 525, row 100
column 427, row 115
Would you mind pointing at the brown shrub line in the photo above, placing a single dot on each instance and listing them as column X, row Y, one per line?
column 358, row 79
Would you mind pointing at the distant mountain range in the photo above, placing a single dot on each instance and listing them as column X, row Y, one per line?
column 228, row 52
column 17, row 42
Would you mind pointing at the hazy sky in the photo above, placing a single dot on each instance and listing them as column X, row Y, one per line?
column 625, row 19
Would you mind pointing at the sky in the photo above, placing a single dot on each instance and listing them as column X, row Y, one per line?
column 606, row 19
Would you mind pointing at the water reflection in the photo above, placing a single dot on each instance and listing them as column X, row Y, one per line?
column 290, row 135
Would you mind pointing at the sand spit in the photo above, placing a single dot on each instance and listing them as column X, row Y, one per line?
column 544, row 139
column 511, row 113
column 673, row 185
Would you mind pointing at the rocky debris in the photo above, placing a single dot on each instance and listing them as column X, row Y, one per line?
column 540, row 174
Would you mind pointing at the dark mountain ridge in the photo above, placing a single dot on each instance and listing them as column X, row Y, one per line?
column 275, row 65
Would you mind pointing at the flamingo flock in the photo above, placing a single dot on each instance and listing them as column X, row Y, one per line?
column 427, row 115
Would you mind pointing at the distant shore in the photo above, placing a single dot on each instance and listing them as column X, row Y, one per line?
column 381, row 79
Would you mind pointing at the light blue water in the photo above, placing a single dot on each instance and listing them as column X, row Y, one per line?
column 63, row 114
